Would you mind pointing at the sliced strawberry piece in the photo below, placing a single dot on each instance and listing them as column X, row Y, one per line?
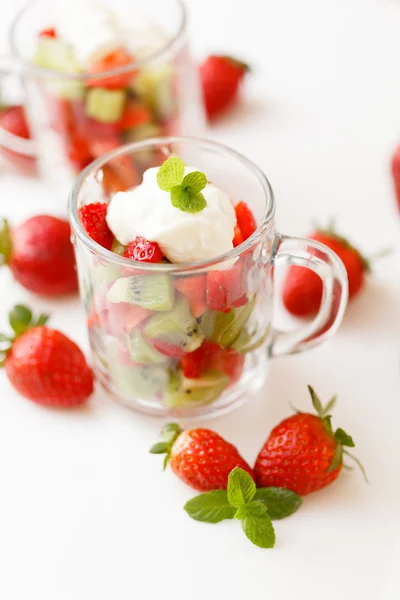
column 110, row 61
column 93, row 217
column 225, row 288
column 168, row 349
column 245, row 220
column 143, row 250
column 197, row 307
column 238, row 237
column 195, row 363
column 135, row 114
column 192, row 287
column 229, row 362
column 49, row 32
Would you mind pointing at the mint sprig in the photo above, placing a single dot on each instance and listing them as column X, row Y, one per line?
column 254, row 508
column 185, row 190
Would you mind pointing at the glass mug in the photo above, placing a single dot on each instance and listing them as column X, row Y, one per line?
column 72, row 116
column 143, row 319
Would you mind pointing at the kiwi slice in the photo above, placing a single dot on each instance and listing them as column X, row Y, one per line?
column 177, row 327
column 154, row 292
column 105, row 105
column 155, row 87
column 141, row 351
column 225, row 328
column 190, row 393
column 148, row 381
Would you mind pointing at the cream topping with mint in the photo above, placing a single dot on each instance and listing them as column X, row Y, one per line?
column 175, row 206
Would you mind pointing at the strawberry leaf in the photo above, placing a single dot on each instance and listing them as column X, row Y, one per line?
column 170, row 173
column 331, row 404
column 337, row 459
column 316, row 402
column 257, row 524
column 20, row 319
column 241, row 487
column 4, row 338
column 358, row 463
column 280, row 503
column 160, row 448
column 211, row 507
column 343, row 438
column 42, row 320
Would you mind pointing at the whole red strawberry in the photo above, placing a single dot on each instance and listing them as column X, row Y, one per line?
column 303, row 453
column 40, row 255
column 302, row 291
column 221, row 77
column 43, row 364
column 93, row 217
column 143, row 250
column 199, row 457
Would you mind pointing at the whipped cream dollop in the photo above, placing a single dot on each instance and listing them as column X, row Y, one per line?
column 90, row 27
column 183, row 237
column 94, row 29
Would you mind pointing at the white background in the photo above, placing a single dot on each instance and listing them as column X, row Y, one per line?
column 85, row 511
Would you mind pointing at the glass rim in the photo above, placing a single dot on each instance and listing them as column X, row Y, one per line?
column 84, row 76
column 234, row 253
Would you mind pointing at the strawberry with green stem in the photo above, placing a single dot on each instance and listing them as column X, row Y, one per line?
column 43, row 364
column 303, row 453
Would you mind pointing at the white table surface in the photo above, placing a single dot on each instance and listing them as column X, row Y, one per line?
column 85, row 512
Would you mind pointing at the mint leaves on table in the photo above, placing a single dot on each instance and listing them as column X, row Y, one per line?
column 255, row 508
column 185, row 190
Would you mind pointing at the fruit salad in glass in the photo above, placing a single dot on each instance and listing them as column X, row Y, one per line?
column 98, row 74
column 176, row 277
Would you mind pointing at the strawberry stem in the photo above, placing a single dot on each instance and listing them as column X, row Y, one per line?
column 169, row 434
column 358, row 463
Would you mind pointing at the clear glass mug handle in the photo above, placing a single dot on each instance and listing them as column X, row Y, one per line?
column 324, row 262
column 14, row 143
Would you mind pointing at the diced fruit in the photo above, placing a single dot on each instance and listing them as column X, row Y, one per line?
column 154, row 292
column 143, row 250
column 135, row 114
column 112, row 60
column 119, row 319
column 105, row 105
column 178, row 329
column 147, row 381
column 93, row 217
column 119, row 174
column 56, row 55
column 221, row 77
column 182, row 392
column 118, row 248
column 245, row 220
column 238, row 237
column 210, row 357
column 149, row 157
column 141, row 352
column 224, row 328
column 224, row 288
column 49, row 32
column 155, row 88
column 192, row 287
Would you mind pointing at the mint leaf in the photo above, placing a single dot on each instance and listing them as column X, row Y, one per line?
column 195, row 182
column 211, row 507
column 344, row 438
column 170, row 173
column 241, row 487
column 280, row 503
column 20, row 318
column 257, row 525
column 186, row 201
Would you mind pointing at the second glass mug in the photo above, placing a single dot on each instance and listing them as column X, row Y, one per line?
column 142, row 317
column 161, row 87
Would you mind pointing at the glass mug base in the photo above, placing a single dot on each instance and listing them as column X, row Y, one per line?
column 253, row 378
